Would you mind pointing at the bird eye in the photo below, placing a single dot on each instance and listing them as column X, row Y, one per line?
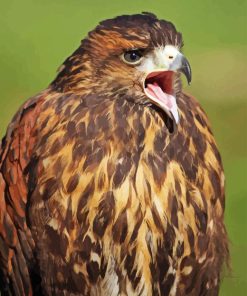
column 132, row 57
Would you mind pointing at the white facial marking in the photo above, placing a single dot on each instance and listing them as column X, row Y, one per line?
column 166, row 58
column 147, row 64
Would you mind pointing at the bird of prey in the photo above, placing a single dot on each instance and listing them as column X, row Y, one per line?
column 110, row 179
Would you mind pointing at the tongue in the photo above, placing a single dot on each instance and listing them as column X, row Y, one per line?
column 161, row 96
column 167, row 101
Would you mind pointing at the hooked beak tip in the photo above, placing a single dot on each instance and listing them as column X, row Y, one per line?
column 186, row 69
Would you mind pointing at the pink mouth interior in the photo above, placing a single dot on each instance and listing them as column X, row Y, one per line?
column 160, row 86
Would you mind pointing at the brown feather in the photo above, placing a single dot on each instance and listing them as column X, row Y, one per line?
column 97, row 197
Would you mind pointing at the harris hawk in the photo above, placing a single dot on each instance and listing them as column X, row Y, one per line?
column 110, row 179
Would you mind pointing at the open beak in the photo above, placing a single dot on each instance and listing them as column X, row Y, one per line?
column 159, row 86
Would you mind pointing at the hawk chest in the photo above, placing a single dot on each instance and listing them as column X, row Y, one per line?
column 113, row 185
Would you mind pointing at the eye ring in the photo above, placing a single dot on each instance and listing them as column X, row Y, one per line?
column 132, row 57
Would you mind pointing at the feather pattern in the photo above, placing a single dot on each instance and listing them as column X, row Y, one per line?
column 97, row 197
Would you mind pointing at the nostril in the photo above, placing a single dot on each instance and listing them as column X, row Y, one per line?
column 170, row 57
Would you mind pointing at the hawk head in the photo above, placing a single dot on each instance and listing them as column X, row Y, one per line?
column 133, row 57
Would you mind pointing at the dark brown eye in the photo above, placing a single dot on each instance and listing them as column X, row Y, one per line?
column 132, row 57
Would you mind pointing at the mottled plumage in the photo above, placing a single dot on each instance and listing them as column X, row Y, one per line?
column 101, row 193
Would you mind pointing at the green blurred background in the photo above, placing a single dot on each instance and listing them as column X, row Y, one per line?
column 36, row 37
